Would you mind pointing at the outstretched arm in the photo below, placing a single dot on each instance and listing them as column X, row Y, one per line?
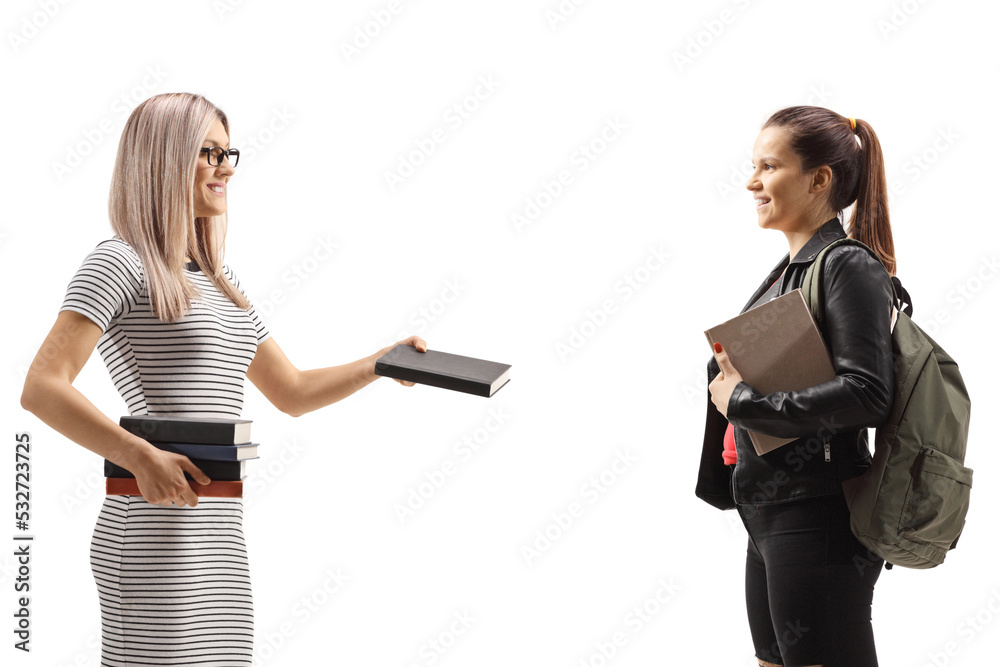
column 296, row 392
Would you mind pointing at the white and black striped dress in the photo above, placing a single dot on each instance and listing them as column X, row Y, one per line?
column 173, row 582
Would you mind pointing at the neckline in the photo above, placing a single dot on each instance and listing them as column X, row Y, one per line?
column 192, row 266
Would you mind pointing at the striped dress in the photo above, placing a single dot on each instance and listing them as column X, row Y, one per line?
column 173, row 582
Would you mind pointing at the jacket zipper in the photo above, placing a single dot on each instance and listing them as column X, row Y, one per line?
column 732, row 477
column 826, row 452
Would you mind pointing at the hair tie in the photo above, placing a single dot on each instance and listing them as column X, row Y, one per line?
column 854, row 126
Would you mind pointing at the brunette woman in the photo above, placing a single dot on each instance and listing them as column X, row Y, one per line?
column 809, row 582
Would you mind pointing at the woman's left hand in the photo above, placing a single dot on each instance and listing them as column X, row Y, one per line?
column 725, row 382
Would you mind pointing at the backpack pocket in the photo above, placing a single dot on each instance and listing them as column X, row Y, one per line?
column 937, row 500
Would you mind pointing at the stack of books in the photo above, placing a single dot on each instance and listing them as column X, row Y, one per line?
column 219, row 447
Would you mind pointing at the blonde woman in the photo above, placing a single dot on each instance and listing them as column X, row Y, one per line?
column 177, row 335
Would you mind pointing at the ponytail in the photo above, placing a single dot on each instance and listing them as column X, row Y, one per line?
column 870, row 217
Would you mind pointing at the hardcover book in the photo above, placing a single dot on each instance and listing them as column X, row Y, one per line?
column 440, row 369
column 211, row 452
column 155, row 428
column 216, row 470
column 775, row 347
column 124, row 486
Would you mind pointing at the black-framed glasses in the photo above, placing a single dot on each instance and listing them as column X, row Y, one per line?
column 216, row 154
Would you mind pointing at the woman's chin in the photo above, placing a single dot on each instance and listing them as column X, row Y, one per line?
column 767, row 222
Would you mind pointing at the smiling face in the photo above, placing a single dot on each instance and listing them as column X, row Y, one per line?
column 786, row 199
column 211, row 183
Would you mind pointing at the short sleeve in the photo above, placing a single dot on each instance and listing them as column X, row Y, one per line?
column 262, row 331
column 107, row 284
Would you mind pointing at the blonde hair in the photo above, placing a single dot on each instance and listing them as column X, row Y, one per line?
column 151, row 204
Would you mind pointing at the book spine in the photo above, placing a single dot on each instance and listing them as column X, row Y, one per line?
column 116, row 486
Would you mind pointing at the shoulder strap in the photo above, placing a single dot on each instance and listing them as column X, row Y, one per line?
column 812, row 282
column 902, row 297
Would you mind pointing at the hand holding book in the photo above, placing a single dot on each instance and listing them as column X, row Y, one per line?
column 416, row 342
column 171, row 448
column 725, row 382
column 777, row 347
column 161, row 479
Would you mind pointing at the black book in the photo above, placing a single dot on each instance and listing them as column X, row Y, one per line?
column 440, row 369
column 210, row 452
column 216, row 470
column 188, row 429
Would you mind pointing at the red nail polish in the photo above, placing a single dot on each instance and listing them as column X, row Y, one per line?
column 718, row 348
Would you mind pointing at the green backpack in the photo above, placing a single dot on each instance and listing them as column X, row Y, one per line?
column 909, row 508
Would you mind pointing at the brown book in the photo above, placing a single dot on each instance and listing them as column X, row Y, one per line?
column 775, row 347
column 128, row 486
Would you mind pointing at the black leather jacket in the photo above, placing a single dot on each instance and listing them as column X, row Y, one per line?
column 830, row 419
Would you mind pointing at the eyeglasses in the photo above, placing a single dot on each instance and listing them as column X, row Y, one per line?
column 216, row 155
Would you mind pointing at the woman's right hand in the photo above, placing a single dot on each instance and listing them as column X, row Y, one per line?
column 161, row 479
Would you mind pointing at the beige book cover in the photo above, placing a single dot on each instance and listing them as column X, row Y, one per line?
column 775, row 347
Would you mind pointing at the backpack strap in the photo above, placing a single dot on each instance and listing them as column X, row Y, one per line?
column 812, row 282
column 902, row 297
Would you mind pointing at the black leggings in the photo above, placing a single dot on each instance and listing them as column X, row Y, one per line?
column 809, row 584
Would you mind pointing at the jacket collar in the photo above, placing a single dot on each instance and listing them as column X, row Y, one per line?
column 824, row 236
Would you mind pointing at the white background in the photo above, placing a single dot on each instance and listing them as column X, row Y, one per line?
column 327, row 126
